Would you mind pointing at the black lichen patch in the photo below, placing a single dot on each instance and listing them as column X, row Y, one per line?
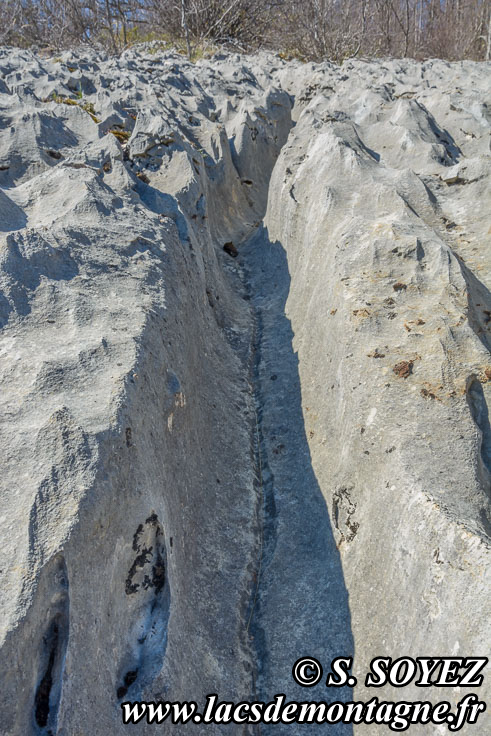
column 139, row 562
column 148, row 568
column 148, row 610
column 137, row 534
column 343, row 511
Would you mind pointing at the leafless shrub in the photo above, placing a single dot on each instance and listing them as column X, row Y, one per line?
column 312, row 29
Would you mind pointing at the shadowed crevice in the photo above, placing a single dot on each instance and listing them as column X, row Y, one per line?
column 52, row 654
column 301, row 605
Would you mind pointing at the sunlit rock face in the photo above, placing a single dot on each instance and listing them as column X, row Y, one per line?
column 244, row 336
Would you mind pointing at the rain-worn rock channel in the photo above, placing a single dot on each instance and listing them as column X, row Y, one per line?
column 244, row 354
column 300, row 606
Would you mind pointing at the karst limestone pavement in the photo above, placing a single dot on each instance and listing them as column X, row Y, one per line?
column 212, row 465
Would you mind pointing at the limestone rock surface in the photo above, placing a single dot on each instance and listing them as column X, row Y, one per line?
column 245, row 320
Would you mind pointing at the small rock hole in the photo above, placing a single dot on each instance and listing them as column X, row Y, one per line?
column 230, row 249
column 128, row 680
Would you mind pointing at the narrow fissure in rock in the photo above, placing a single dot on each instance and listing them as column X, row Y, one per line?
column 298, row 552
column 53, row 648
column 42, row 704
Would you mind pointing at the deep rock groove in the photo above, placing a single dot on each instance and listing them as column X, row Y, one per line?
column 298, row 549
